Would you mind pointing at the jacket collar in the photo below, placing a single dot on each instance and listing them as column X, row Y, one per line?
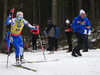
column 79, row 17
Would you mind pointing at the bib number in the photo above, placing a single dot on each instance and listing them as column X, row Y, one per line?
column 17, row 29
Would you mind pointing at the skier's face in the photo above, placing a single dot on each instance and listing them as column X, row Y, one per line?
column 82, row 15
column 67, row 23
column 48, row 23
column 19, row 17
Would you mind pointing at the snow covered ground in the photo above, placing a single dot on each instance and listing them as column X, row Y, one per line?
column 88, row 64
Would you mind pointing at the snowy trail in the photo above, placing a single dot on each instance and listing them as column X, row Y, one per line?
column 88, row 64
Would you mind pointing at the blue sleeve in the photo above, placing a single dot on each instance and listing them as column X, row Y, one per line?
column 87, row 30
column 58, row 30
column 7, row 21
column 45, row 32
column 76, row 25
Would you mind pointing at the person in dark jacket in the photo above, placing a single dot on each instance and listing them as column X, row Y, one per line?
column 79, row 24
column 56, row 38
column 69, row 35
column 35, row 37
column 51, row 35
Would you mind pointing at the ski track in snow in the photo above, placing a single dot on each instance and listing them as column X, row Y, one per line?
column 88, row 64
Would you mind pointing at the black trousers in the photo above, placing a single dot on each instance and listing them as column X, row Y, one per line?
column 51, row 43
column 69, row 38
column 34, row 39
column 55, row 44
column 81, row 40
column 86, row 42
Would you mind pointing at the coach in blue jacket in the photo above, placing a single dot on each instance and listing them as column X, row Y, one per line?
column 80, row 23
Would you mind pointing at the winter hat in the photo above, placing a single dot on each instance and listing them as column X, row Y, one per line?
column 67, row 21
column 82, row 11
column 19, row 14
column 49, row 21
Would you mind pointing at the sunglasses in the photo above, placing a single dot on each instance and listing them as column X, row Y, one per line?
column 20, row 18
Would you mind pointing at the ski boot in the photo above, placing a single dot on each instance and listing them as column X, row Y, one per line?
column 56, row 49
column 74, row 54
column 86, row 50
column 68, row 51
column 17, row 61
column 78, row 53
column 22, row 60
column 33, row 51
column 51, row 52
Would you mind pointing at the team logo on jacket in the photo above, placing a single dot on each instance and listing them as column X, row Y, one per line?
column 78, row 21
column 18, row 25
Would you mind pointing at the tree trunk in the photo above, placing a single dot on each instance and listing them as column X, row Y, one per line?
column 34, row 17
column 79, row 5
column 54, row 12
column 97, row 13
column 73, row 13
column 93, row 12
column 4, row 26
column 4, row 18
column 1, row 18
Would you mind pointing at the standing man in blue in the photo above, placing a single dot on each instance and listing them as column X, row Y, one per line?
column 86, row 41
column 56, row 38
column 86, row 38
column 80, row 23
column 16, row 27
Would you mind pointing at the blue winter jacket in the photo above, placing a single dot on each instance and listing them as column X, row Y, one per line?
column 77, row 27
column 57, row 33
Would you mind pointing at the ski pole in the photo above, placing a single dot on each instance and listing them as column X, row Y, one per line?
column 12, row 11
column 42, row 47
column 46, row 38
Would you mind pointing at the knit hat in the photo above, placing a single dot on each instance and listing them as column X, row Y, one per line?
column 67, row 21
column 19, row 14
column 49, row 21
column 82, row 11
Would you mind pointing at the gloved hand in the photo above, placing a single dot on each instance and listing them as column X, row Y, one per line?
column 12, row 10
column 44, row 32
column 10, row 15
column 67, row 30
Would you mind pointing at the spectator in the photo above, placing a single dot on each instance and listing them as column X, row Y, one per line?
column 69, row 35
column 86, row 38
column 56, row 38
column 35, row 37
column 51, row 35
column 79, row 24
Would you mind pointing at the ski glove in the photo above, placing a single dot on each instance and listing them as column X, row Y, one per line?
column 12, row 10
column 10, row 15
